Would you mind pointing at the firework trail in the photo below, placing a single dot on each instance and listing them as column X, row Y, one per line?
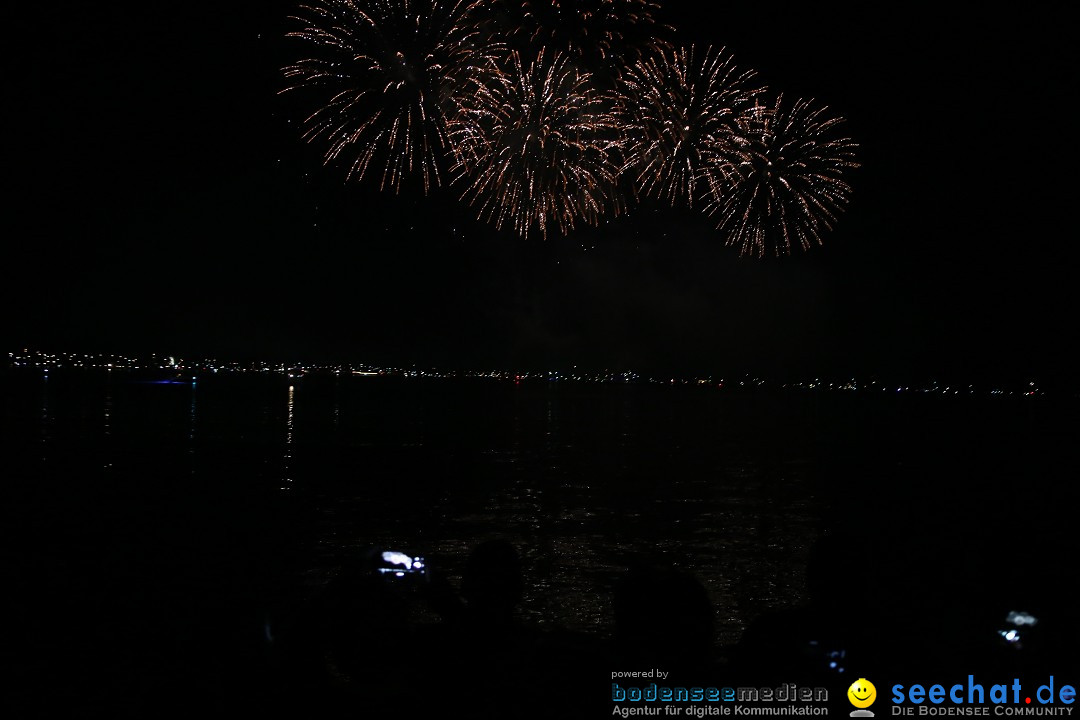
column 412, row 89
column 535, row 145
column 683, row 112
column 593, row 32
column 384, row 74
column 790, row 184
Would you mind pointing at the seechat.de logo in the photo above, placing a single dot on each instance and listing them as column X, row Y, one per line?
column 862, row 694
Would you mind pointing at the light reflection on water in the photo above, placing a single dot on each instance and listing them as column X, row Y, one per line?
column 161, row 495
column 45, row 419
column 286, row 457
column 583, row 486
column 584, row 479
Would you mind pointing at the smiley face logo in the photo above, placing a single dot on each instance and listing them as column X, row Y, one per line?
column 862, row 693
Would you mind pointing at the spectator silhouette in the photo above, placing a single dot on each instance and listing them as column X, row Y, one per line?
column 830, row 636
column 664, row 620
column 488, row 662
column 481, row 659
column 349, row 648
column 492, row 585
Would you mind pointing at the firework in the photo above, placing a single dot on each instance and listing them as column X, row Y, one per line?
column 383, row 75
column 683, row 112
column 535, row 146
column 790, row 184
column 591, row 30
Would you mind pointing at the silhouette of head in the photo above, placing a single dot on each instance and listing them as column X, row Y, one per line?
column 663, row 614
column 492, row 583
column 836, row 564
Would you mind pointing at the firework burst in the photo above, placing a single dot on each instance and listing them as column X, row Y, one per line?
column 683, row 112
column 790, row 184
column 593, row 30
column 383, row 75
column 535, row 146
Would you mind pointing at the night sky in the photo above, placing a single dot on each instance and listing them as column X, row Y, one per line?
column 161, row 200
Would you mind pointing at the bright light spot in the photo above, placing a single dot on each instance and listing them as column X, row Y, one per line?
column 396, row 558
column 1020, row 618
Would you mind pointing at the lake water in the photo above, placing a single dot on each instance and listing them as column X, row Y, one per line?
column 199, row 514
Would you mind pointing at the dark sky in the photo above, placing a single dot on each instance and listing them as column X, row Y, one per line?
column 162, row 202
